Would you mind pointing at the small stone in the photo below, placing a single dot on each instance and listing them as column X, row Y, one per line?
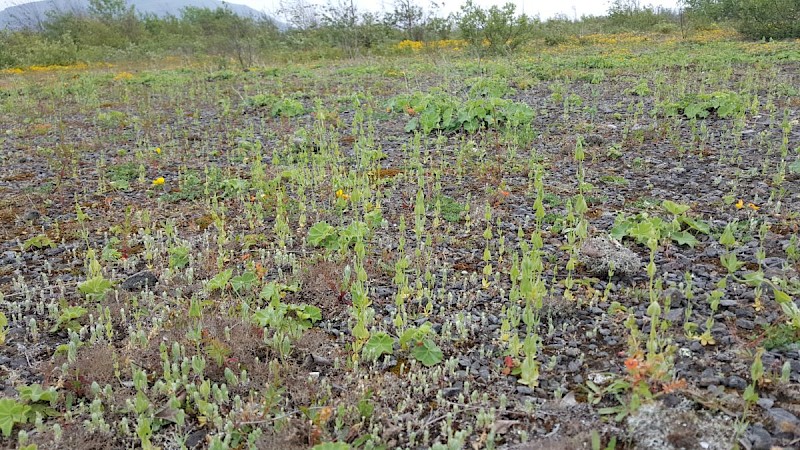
column 31, row 216
column 765, row 403
column 745, row 324
column 760, row 439
column 196, row 438
column 709, row 381
column 574, row 366
column 785, row 422
column 675, row 314
column 524, row 390
column 140, row 281
column 453, row 391
column 572, row 352
column 594, row 140
column 736, row 382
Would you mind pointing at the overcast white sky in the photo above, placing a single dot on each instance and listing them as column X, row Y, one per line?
column 544, row 8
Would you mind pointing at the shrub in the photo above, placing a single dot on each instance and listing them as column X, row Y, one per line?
column 493, row 31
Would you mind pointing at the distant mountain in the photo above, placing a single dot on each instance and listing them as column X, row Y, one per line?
column 33, row 14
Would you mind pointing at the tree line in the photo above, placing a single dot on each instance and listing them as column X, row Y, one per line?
column 111, row 29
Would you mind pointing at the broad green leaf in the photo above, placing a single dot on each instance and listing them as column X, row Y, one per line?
column 319, row 233
column 95, row 288
column 428, row 353
column 11, row 412
column 380, row 343
column 219, row 281
column 34, row 393
column 780, row 296
column 39, row 241
column 244, row 281
column 271, row 292
column 697, row 225
column 621, row 230
column 754, row 279
column 684, row 238
column 178, row 257
column 727, row 238
column 307, row 312
column 673, row 208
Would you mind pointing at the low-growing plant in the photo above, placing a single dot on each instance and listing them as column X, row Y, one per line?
column 700, row 106
column 39, row 242
column 442, row 112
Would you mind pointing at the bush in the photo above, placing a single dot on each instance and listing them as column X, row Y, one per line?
column 493, row 31
column 756, row 19
column 769, row 19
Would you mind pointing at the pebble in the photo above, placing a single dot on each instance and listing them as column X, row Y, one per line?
column 140, row 281
column 745, row 324
column 760, row 439
column 524, row 390
column 736, row 382
column 675, row 314
column 785, row 422
column 765, row 403
column 452, row 391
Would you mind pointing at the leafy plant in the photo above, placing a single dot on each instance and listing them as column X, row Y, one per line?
column 220, row 280
column 178, row 257
column 39, row 242
column 380, row 343
column 700, row 106
column 12, row 412
column 243, row 282
column 642, row 227
column 440, row 111
column 95, row 288
column 278, row 106
column 69, row 318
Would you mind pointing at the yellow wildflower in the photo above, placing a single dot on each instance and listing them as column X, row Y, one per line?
column 753, row 206
column 340, row 194
column 158, row 150
column 158, row 181
column 740, row 204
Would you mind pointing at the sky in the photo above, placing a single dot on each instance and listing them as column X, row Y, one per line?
column 544, row 8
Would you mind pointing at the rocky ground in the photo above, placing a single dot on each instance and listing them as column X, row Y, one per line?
column 239, row 189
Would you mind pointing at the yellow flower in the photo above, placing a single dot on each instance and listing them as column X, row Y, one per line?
column 740, row 204
column 340, row 194
column 158, row 150
column 753, row 206
column 158, row 181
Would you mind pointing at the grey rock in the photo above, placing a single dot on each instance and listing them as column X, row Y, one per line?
column 784, row 421
column 765, row 403
column 745, row 324
column 31, row 216
column 736, row 382
column 594, row 140
column 452, row 391
column 140, row 281
column 675, row 314
column 760, row 439
column 574, row 366
column 524, row 390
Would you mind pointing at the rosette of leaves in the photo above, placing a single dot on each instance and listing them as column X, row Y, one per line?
column 643, row 226
column 700, row 106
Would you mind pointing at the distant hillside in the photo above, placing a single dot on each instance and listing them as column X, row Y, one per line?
column 31, row 15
